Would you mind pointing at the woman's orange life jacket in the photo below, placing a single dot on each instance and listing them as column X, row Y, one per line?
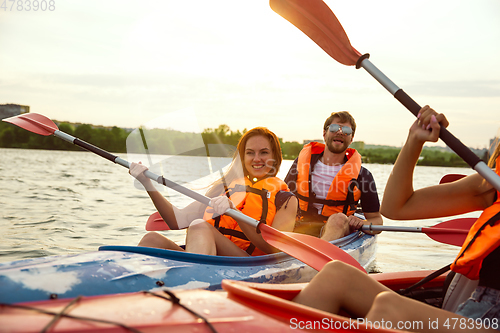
column 343, row 195
column 256, row 200
column 482, row 239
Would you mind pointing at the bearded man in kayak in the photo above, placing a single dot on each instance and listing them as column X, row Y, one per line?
column 477, row 260
column 329, row 181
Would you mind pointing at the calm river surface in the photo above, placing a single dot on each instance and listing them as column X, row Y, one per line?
column 58, row 202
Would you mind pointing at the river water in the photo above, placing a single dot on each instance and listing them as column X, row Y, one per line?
column 60, row 202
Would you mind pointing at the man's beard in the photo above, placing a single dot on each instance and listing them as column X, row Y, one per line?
column 336, row 149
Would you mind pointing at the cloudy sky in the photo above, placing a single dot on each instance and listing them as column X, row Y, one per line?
column 234, row 62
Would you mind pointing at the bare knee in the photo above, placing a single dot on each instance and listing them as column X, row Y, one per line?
column 154, row 239
column 200, row 225
column 150, row 238
column 336, row 226
column 338, row 220
column 386, row 305
column 337, row 271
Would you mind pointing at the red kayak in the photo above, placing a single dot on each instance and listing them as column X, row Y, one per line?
column 243, row 307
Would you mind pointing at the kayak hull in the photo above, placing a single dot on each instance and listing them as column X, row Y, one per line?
column 241, row 307
column 119, row 269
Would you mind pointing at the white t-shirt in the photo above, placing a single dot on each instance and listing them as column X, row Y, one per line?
column 322, row 178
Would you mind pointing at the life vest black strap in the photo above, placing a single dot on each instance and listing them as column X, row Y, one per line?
column 250, row 249
column 232, row 232
column 326, row 202
column 332, row 203
column 350, row 202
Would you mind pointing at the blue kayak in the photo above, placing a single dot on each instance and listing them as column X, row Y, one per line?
column 119, row 269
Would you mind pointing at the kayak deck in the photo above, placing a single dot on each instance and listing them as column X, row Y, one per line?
column 186, row 311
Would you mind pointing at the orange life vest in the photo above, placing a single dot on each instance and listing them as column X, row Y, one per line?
column 482, row 239
column 256, row 200
column 342, row 195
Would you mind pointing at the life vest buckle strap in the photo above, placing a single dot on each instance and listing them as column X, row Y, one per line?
column 233, row 233
column 326, row 202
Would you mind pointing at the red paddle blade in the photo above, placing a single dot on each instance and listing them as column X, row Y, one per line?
column 310, row 250
column 318, row 22
column 451, row 178
column 461, row 223
column 451, row 232
column 34, row 122
column 156, row 223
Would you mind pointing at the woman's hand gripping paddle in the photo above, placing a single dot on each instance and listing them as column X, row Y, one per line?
column 316, row 20
column 310, row 250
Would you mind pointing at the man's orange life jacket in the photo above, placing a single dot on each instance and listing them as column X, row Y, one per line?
column 483, row 238
column 343, row 195
column 256, row 200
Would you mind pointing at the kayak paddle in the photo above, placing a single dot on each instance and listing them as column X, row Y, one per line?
column 156, row 223
column 310, row 250
column 451, row 232
column 318, row 22
column 451, row 177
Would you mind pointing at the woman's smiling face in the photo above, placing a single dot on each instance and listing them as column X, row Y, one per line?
column 258, row 157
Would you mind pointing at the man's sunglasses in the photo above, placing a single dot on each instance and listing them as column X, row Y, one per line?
column 335, row 128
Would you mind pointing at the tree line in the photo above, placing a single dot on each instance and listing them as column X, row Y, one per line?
column 220, row 141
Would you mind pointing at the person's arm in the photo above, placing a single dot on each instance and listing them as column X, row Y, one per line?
column 369, row 201
column 402, row 202
column 175, row 218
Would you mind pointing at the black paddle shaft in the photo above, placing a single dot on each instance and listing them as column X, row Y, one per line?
column 95, row 150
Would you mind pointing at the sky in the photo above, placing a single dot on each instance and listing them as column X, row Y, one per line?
column 125, row 63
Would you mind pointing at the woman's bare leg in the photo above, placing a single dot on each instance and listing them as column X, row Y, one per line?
column 339, row 286
column 154, row 239
column 203, row 238
column 411, row 315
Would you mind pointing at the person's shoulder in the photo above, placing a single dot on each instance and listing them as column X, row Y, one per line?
column 282, row 197
column 364, row 171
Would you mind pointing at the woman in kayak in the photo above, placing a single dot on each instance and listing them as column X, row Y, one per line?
column 253, row 188
column 363, row 297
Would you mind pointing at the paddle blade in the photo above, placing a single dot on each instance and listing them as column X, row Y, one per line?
column 310, row 250
column 451, row 178
column 317, row 21
column 451, row 232
column 156, row 223
column 34, row 122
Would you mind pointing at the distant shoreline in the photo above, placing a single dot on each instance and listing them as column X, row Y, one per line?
column 171, row 142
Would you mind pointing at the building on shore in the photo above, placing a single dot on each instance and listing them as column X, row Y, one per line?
column 493, row 144
column 309, row 141
column 10, row 110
